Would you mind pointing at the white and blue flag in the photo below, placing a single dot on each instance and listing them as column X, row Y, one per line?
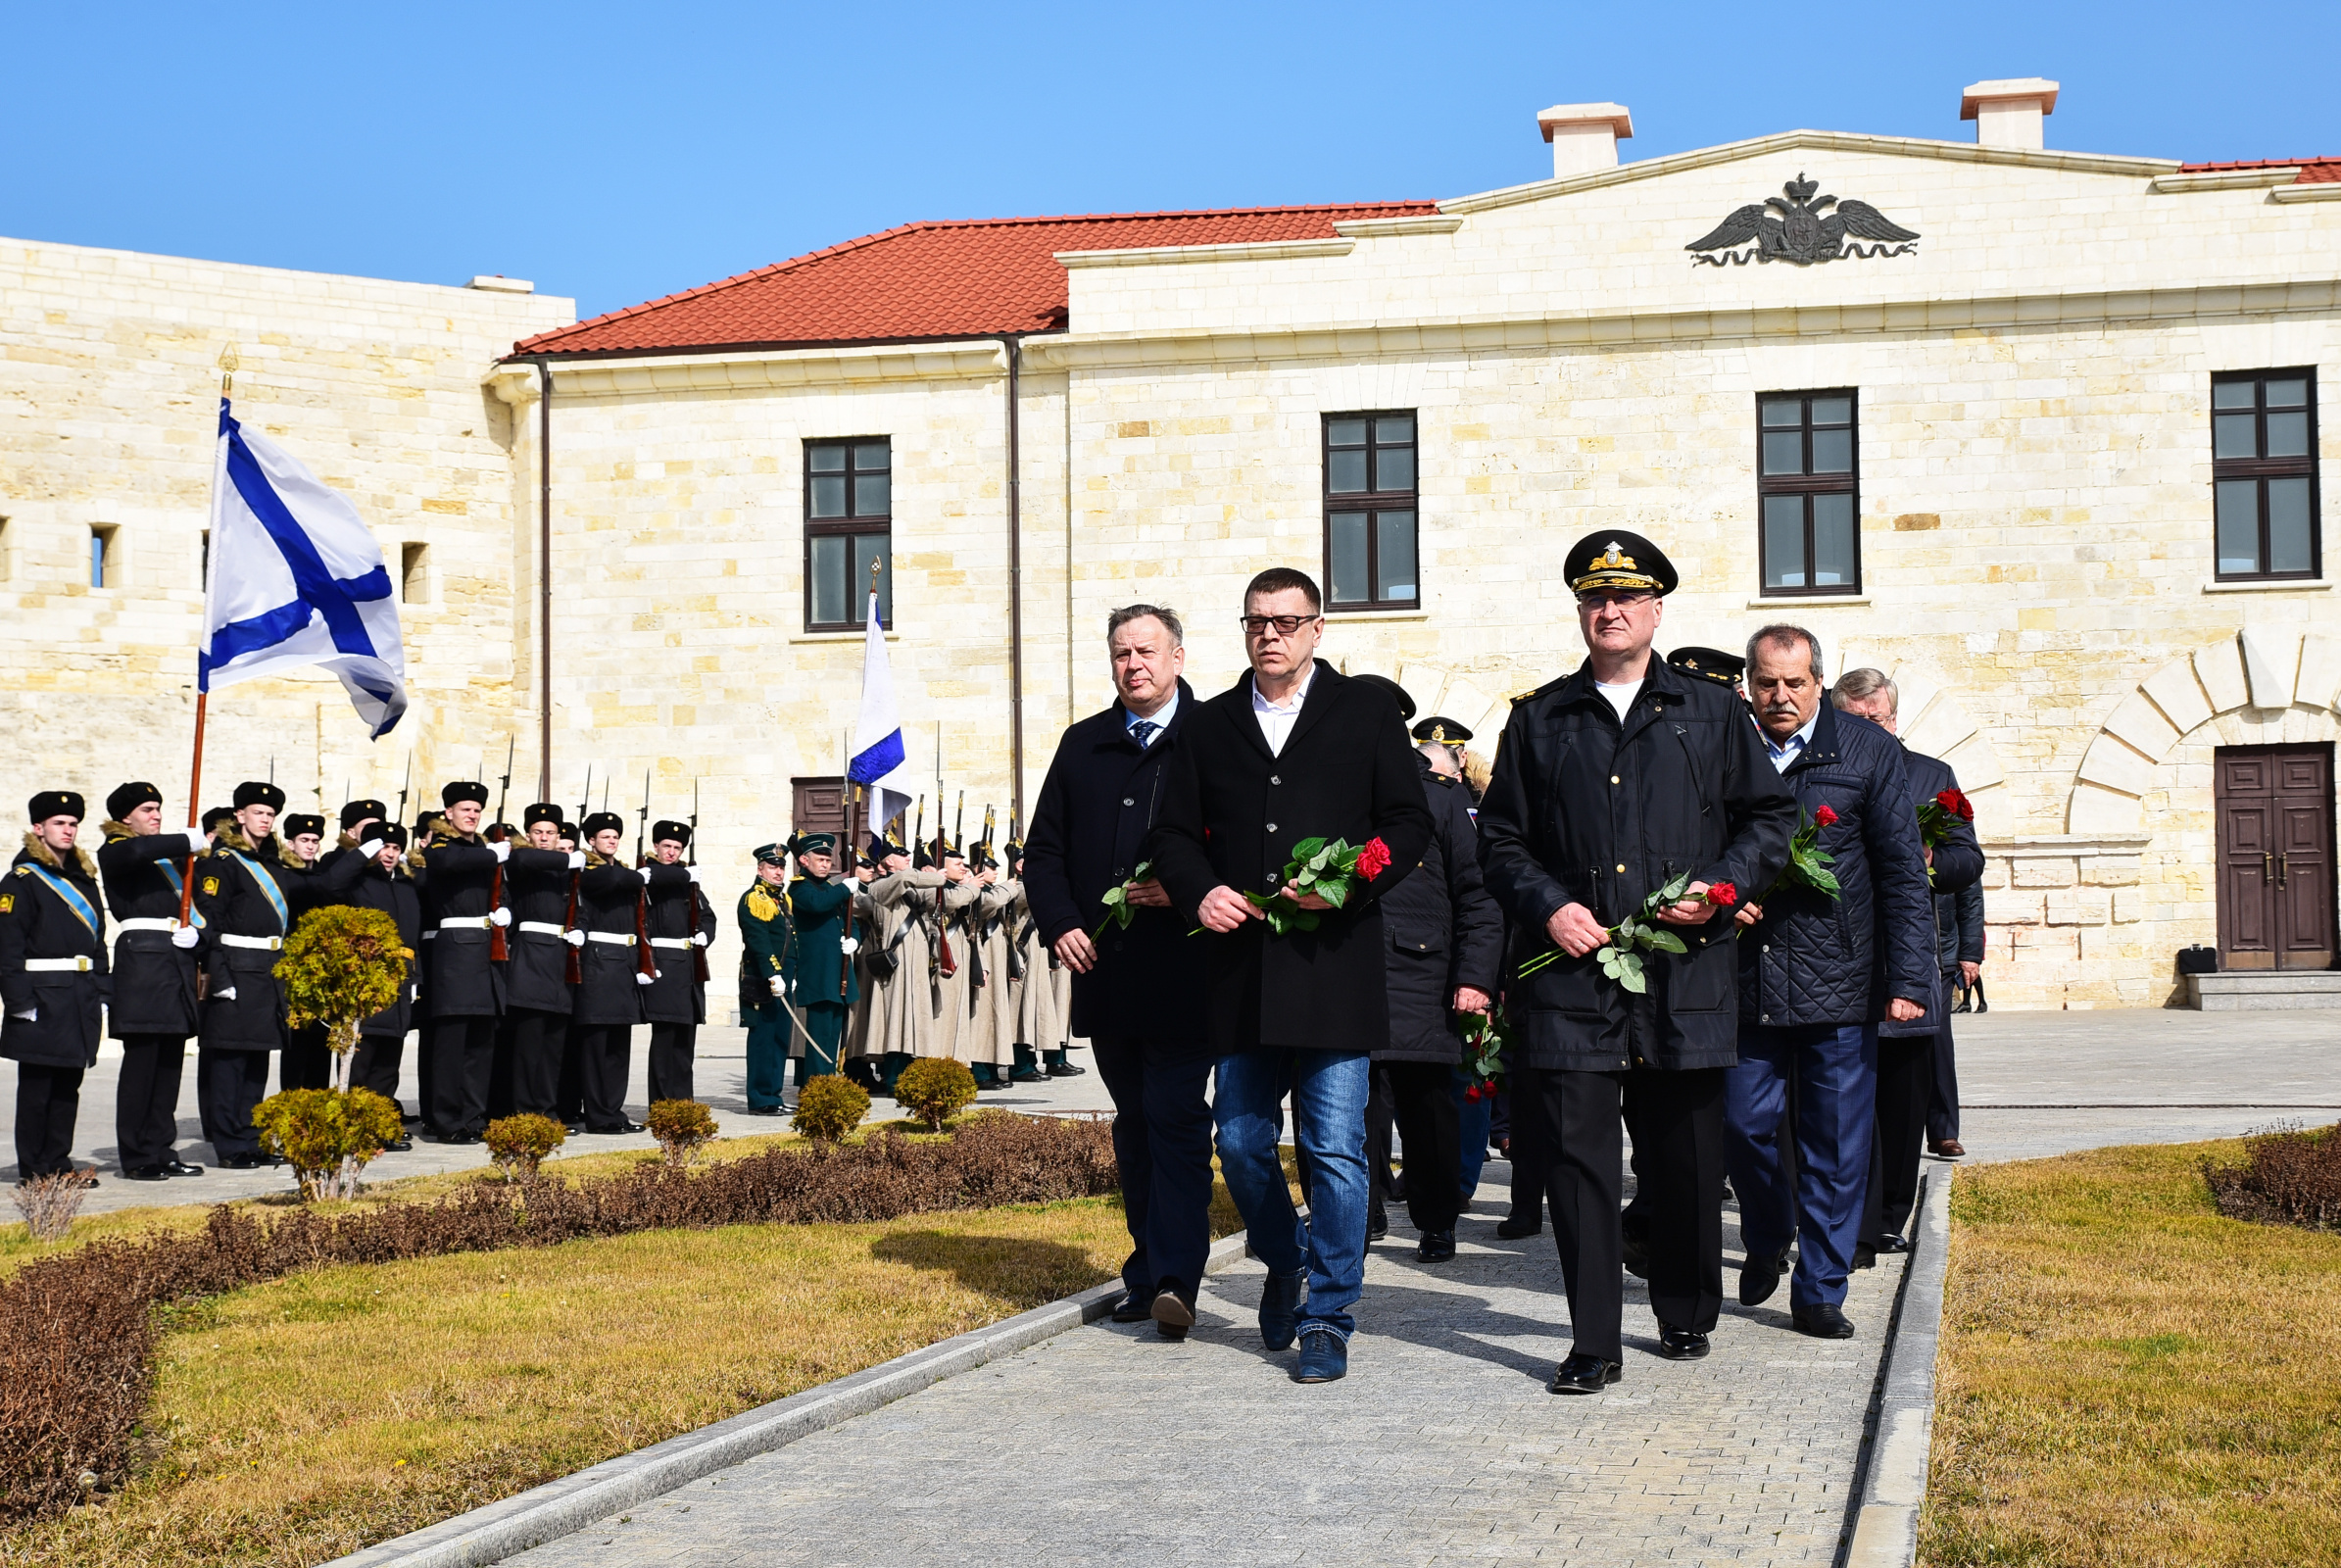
column 295, row 580
column 878, row 753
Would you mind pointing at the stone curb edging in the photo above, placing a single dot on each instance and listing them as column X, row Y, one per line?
column 1885, row 1528
column 499, row 1530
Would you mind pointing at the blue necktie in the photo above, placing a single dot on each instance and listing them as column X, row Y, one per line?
column 1143, row 732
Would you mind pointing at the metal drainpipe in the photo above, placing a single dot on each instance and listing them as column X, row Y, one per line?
column 1014, row 345
column 544, row 574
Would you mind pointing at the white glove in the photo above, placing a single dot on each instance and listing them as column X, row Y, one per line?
column 500, row 918
column 227, row 995
column 576, row 859
column 780, row 987
column 501, row 848
column 642, row 979
column 692, row 872
column 30, row 1015
column 699, row 939
column 575, row 939
column 370, row 848
column 187, row 936
column 847, row 947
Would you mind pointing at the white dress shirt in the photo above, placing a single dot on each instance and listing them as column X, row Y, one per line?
column 1789, row 750
column 1160, row 720
column 1277, row 719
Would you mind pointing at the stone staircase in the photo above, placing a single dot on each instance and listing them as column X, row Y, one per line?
column 2261, row 990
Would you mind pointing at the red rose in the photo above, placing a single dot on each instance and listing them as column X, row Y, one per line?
column 1472, row 1092
column 1723, row 895
column 1373, row 859
column 1957, row 805
column 1823, row 816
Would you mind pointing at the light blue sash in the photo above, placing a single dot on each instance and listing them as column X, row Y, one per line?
column 178, row 886
column 267, row 885
column 83, row 911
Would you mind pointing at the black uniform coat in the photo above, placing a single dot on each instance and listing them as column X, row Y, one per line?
column 37, row 921
column 1089, row 832
column 1813, row 959
column 1958, row 863
column 154, row 982
column 247, row 892
column 459, row 980
column 678, row 912
column 1445, row 932
column 536, row 889
column 360, row 881
column 816, row 962
column 1232, row 811
column 609, row 897
column 1584, row 809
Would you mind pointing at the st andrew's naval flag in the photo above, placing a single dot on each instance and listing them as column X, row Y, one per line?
column 879, row 760
column 297, row 580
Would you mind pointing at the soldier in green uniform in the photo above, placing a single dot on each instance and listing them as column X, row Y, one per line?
column 766, row 939
column 820, row 980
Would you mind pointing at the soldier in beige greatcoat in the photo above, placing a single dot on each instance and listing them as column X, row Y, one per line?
column 990, row 1044
column 946, row 911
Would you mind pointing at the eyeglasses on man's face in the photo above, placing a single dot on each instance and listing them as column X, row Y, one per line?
column 1625, row 598
column 1283, row 625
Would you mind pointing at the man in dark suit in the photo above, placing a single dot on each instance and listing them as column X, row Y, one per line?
column 1294, row 750
column 1137, row 990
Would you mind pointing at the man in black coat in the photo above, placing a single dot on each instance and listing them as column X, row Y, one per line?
column 53, row 980
column 540, row 883
column 611, row 976
column 307, row 1060
column 1817, row 975
column 1293, row 751
column 463, row 987
column 153, row 1008
column 1958, row 956
column 1138, row 989
column 681, row 923
column 1610, row 783
column 1906, row 1050
column 249, row 898
column 371, row 874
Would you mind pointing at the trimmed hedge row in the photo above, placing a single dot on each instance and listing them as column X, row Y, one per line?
column 2291, row 1176
column 77, row 1336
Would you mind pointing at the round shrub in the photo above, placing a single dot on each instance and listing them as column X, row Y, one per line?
column 328, row 1135
column 934, row 1089
column 341, row 965
column 519, row 1143
column 681, row 1126
column 830, row 1107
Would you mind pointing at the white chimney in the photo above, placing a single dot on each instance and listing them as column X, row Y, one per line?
column 2008, row 114
column 1584, row 137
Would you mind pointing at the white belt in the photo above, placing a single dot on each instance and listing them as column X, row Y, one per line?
column 670, row 942
column 465, row 922
column 542, row 928
column 146, row 922
column 263, row 943
column 58, row 965
column 624, row 939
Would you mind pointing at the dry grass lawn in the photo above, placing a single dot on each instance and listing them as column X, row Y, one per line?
column 2128, row 1378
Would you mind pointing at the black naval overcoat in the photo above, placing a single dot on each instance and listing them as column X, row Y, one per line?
column 536, row 889
column 245, row 892
column 608, row 898
column 51, row 913
column 678, row 912
column 459, row 980
column 154, row 982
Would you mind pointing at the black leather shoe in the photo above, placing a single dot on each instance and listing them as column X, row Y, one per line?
column 458, row 1140
column 1822, row 1321
column 1280, row 1308
column 1065, row 1069
column 400, row 1145
column 1896, row 1243
column 272, row 1160
column 1436, row 1247
column 179, row 1167
column 239, row 1163
column 1759, row 1276
column 1584, row 1374
column 1172, row 1315
column 1377, row 1226
column 1133, row 1307
column 1680, row 1345
column 1512, row 1230
column 1864, row 1256
column 143, row 1173
column 1634, row 1252
column 1028, row 1075
column 573, row 1128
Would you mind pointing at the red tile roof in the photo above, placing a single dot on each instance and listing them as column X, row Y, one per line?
column 2312, row 171
column 925, row 281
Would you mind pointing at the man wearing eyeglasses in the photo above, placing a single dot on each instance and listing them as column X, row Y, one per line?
column 1294, row 750
column 1609, row 784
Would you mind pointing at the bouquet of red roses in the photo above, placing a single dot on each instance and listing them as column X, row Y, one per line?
column 1622, row 959
column 1330, row 868
column 1485, row 1038
column 1808, row 863
column 1938, row 817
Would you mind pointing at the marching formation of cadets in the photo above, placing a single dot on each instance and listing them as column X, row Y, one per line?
column 537, row 950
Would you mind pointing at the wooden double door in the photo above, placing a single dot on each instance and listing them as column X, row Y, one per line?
column 2275, row 814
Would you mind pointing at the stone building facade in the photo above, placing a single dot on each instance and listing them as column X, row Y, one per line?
column 2025, row 522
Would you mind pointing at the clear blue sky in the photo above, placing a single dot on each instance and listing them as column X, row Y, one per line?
column 615, row 153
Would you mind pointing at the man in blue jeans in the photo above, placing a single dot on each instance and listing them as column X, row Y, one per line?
column 1815, row 974
column 1293, row 751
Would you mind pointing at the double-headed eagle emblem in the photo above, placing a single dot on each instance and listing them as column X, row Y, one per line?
column 1801, row 232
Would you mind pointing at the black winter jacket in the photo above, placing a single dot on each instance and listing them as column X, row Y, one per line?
column 1580, row 810
column 154, row 982
column 52, row 915
column 1813, row 959
column 678, row 913
column 361, row 882
column 1088, row 831
column 1958, row 863
column 1445, row 932
column 458, row 881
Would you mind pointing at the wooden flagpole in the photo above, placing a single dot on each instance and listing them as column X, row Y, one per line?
column 186, row 892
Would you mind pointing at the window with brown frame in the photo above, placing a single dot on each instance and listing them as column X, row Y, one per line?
column 2264, row 473
column 1370, row 510
column 848, row 526
column 1808, row 490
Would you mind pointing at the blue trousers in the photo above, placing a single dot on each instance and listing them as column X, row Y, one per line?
column 1162, row 1143
column 1833, row 1072
column 1329, row 1112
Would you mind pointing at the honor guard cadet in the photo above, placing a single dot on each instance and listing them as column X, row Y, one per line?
column 905, row 895
column 1040, row 988
column 854, row 1056
column 53, row 980
column 153, row 1008
column 246, row 896
column 956, row 958
column 765, row 935
column 540, row 886
column 613, row 972
column 371, row 874
column 681, row 922
column 990, row 1045
column 307, row 1061
column 462, row 914
column 820, row 980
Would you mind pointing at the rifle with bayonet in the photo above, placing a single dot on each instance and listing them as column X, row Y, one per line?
column 645, row 961
column 573, row 967
column 699, row 955
column 405, row 789
column 499, row 948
